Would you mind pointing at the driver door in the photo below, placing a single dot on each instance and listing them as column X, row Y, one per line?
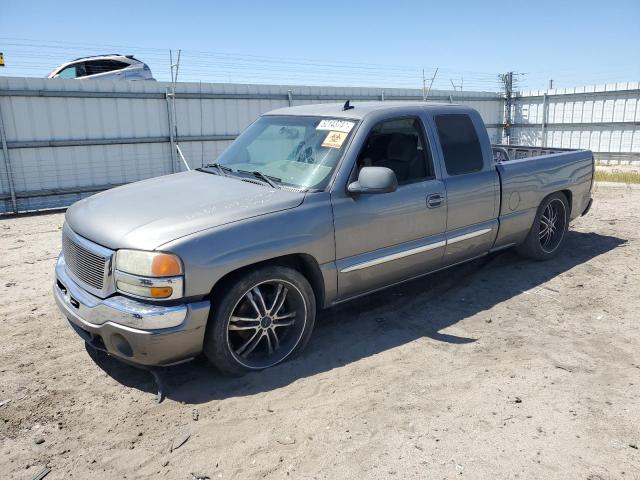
column 383, row 239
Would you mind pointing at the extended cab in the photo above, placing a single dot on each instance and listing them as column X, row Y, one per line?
column 309, row 207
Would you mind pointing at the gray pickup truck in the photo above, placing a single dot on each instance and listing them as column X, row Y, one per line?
column 309, row 207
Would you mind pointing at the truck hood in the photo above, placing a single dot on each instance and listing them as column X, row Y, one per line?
column 147, row 214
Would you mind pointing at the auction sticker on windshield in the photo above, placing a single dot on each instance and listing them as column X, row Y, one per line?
column 336, row 125
column 334, row 139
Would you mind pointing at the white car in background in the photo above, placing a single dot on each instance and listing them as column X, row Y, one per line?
column 104, row 67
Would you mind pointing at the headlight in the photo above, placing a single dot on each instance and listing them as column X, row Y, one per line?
column 153, row 275
column 148, row 264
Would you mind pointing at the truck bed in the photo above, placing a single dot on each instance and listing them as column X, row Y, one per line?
column 503, row 153
column 529, row 174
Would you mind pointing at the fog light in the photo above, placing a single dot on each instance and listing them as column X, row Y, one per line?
column 121, row 345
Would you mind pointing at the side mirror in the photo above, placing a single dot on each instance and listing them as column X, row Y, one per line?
column 374, row 180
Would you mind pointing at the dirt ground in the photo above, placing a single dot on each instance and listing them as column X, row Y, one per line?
column 503, row 368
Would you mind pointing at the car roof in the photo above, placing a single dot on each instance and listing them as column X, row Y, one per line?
column 108, row 56
column 360, row 109
column 130, row 59
column 98, row 56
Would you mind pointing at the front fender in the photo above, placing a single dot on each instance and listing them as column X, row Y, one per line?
column 211, row 254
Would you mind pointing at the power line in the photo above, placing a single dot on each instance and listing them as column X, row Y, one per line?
column 23, row 55
column 199, row 65
column 201, row 53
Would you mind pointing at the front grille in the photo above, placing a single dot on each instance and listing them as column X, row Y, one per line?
column 86, row 266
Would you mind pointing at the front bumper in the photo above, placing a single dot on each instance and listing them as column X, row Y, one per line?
column 133, row 331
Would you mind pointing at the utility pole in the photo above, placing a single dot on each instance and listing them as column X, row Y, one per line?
column 176, row 152
column 424, row 87
column 174, row 79
column 456, row 87
column 551, row 84
column 425, row 95
column 507, row 80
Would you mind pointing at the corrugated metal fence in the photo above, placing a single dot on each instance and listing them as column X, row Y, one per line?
column 66, row 139
column 602, row 118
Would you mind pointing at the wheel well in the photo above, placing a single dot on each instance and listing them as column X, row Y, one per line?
column 303, row 263
column 569, row 195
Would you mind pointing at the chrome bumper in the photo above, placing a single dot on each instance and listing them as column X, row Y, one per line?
column 134, row 331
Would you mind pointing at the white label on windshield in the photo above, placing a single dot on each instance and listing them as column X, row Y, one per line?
column 336, row 125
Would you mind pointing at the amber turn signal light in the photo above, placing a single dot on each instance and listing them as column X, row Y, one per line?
column 164, row 265
column 161, row 292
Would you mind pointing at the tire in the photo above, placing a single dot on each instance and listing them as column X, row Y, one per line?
column 549, row 230
column 260, row 319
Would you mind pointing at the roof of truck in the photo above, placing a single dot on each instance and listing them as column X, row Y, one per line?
column 359, row 110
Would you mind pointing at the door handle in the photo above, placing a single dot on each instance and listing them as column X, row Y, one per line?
column 434, row 200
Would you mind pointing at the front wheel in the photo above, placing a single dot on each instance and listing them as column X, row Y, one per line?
column 259, row 320
column 549, row 230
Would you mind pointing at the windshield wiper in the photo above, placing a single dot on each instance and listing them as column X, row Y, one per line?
column 266, row 178
column 222, row 170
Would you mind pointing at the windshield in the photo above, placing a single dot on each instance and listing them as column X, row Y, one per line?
column 299, row 151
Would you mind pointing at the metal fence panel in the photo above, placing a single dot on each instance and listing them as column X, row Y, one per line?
column 68, row 139
column 602, row 118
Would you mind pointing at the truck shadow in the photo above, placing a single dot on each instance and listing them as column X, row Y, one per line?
column 376, row 323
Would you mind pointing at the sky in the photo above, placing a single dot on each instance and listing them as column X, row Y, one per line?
column 373, row 43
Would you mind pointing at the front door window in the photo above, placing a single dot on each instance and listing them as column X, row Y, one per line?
column 398, row 144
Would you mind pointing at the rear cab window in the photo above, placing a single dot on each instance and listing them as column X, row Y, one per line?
column 460, row 144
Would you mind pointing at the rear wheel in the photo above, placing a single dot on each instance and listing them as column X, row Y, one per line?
column 547, row 235
column 261, row 319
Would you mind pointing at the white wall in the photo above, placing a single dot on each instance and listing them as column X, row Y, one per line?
column 69, row 138
column 602, row 118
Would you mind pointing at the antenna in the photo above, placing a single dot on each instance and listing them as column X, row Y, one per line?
column 347, row 105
